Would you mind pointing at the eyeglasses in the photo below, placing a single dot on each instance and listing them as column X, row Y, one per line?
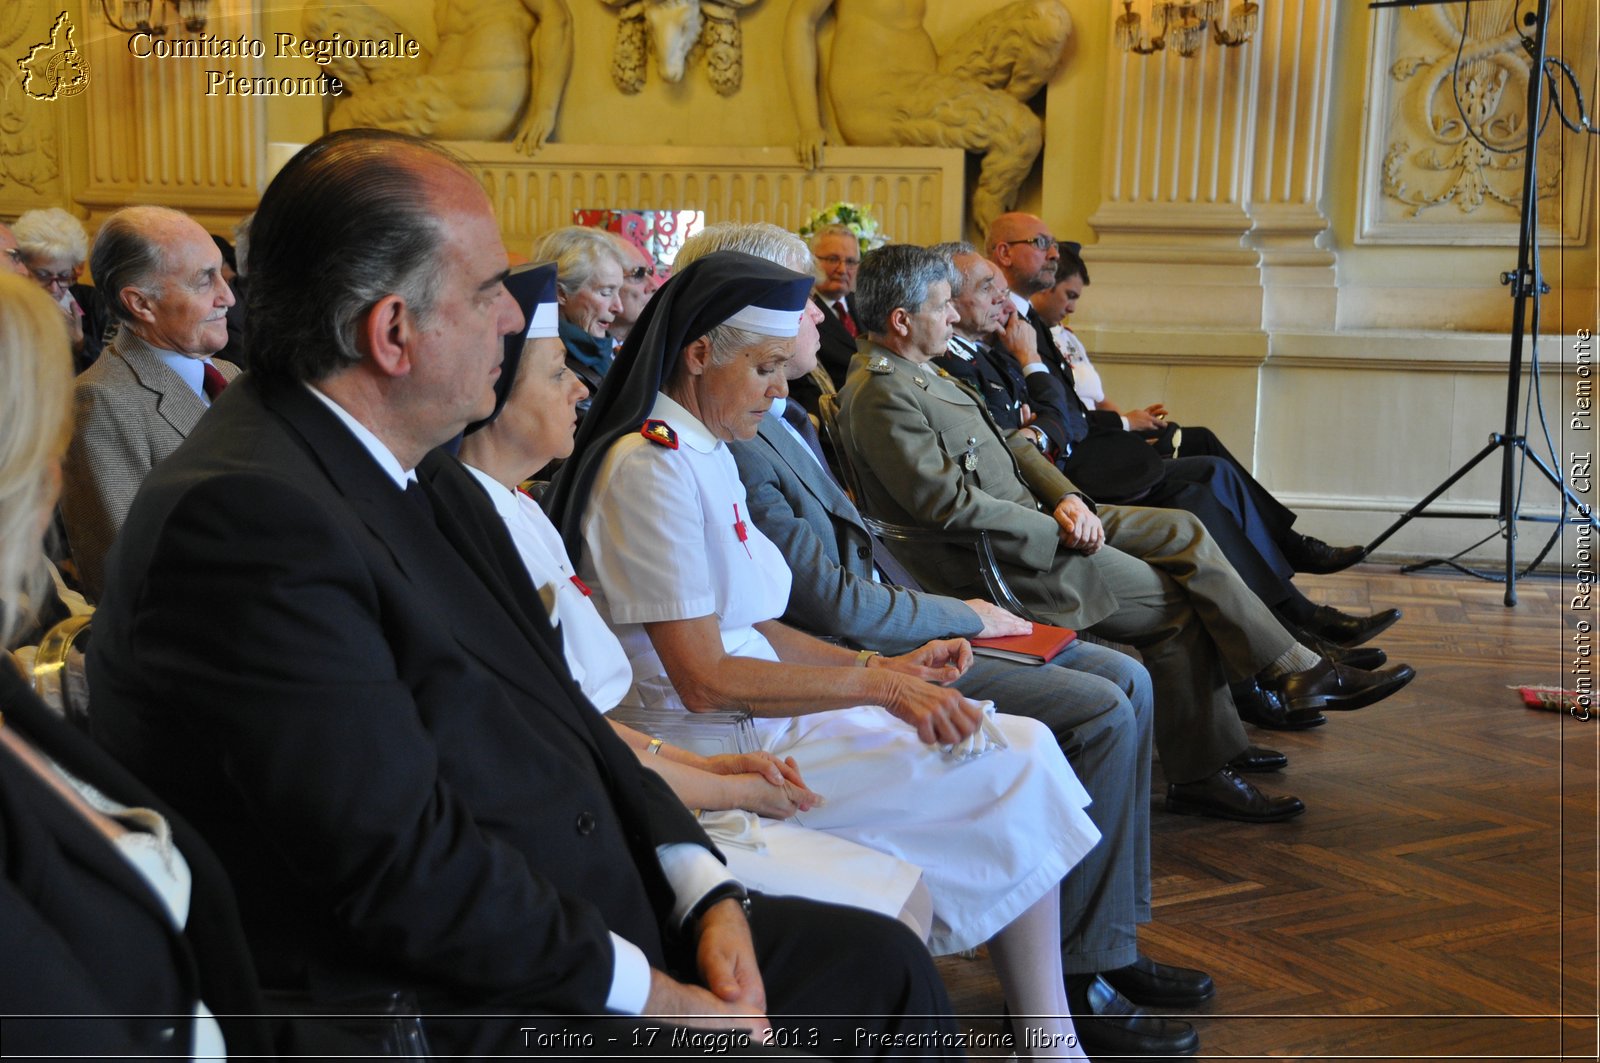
column 835, row 261
column 45, row 277
column 637, row 273
column 1042, row 242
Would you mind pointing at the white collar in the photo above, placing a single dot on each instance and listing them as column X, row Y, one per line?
column 688, row 427
column 963, row 348
column 504, row 498
column 381, row 454
column 1021, row 303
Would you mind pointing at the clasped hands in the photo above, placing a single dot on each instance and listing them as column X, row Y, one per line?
column 1079, row 528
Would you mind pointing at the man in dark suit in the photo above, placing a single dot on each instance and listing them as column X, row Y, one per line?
column 1025, row 399
column 837, row 252
column 346, row 679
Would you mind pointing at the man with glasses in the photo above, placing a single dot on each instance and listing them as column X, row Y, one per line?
column 162, row 276
column 838, row 255
column 639, row 283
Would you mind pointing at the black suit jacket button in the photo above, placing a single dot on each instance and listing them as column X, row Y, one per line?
column 864, row 553
column 586, row 823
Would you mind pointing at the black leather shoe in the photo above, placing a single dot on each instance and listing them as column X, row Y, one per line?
column 1343, row 629
column 1313, row 555
column 1338, row 687
column 1265, row 708
column 1253, row 760
column 1109, row 1024
column 1227, row 795
column 1157, row 985
column 1364, row 657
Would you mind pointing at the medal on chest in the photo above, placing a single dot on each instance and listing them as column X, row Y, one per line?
column 969, row 460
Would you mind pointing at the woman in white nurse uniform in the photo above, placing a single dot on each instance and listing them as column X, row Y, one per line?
column 692, row 589
column 537, row 395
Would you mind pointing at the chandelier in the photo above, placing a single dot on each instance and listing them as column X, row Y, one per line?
column 136, row 15
column 1182, row 25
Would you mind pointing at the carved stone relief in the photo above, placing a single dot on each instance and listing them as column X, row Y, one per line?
column 973, row 97
column 497, row 74
column 679, row 33
column 28, row 150
column 1447, row 131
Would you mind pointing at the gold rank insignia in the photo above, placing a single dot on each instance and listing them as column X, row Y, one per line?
column 660, row 433
column 880, row 365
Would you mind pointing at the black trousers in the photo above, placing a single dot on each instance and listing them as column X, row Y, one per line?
column 1242, row 516
column 841, row 982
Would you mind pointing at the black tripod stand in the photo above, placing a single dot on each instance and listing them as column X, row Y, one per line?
column 1526, row 288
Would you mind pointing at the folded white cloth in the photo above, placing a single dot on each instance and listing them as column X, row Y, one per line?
column 986, row 739
column 734, row 827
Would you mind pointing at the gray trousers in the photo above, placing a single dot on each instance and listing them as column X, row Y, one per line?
column 1098, row 703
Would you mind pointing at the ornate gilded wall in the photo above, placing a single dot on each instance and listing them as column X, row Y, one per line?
column 1298, row 241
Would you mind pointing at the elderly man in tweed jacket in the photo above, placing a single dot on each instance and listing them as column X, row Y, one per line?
column 162, row 278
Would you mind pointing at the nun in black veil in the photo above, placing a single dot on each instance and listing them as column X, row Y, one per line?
column 653, row 511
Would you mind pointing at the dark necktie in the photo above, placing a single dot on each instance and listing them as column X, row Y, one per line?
column 1077, row 420
column 892, row 570
column 795, row 414
column 845, row 319
column 214, row 381
column 417, row 498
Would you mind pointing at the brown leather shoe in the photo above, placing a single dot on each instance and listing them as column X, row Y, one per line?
column 1228, row 795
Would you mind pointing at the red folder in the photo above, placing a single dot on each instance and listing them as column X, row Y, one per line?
column 1040, row 647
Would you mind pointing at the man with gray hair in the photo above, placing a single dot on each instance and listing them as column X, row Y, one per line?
column 160, row 275
column 837, row 254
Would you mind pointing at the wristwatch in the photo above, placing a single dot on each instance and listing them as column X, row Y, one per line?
column 716, row 896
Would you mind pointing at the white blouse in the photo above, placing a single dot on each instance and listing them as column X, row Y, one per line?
column 593, row 653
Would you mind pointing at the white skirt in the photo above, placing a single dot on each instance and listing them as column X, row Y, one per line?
column 991, row 834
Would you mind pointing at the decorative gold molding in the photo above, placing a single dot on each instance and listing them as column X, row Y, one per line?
column 1444, row 146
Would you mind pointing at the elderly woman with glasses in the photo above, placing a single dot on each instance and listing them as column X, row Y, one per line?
column 653, row 511
column 53, row 246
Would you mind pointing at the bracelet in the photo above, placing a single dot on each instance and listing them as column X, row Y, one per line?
column 654, row 747
column 863, row 656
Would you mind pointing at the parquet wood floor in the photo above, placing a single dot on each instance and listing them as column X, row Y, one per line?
column 1438, row 899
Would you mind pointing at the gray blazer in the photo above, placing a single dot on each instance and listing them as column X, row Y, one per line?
column 129, row 412
column 791, row 499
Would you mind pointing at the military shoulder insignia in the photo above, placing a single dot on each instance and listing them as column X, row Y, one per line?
column 660, row 433
column 880, row 365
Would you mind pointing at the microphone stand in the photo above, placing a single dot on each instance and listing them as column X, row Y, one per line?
column 1526, row 288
